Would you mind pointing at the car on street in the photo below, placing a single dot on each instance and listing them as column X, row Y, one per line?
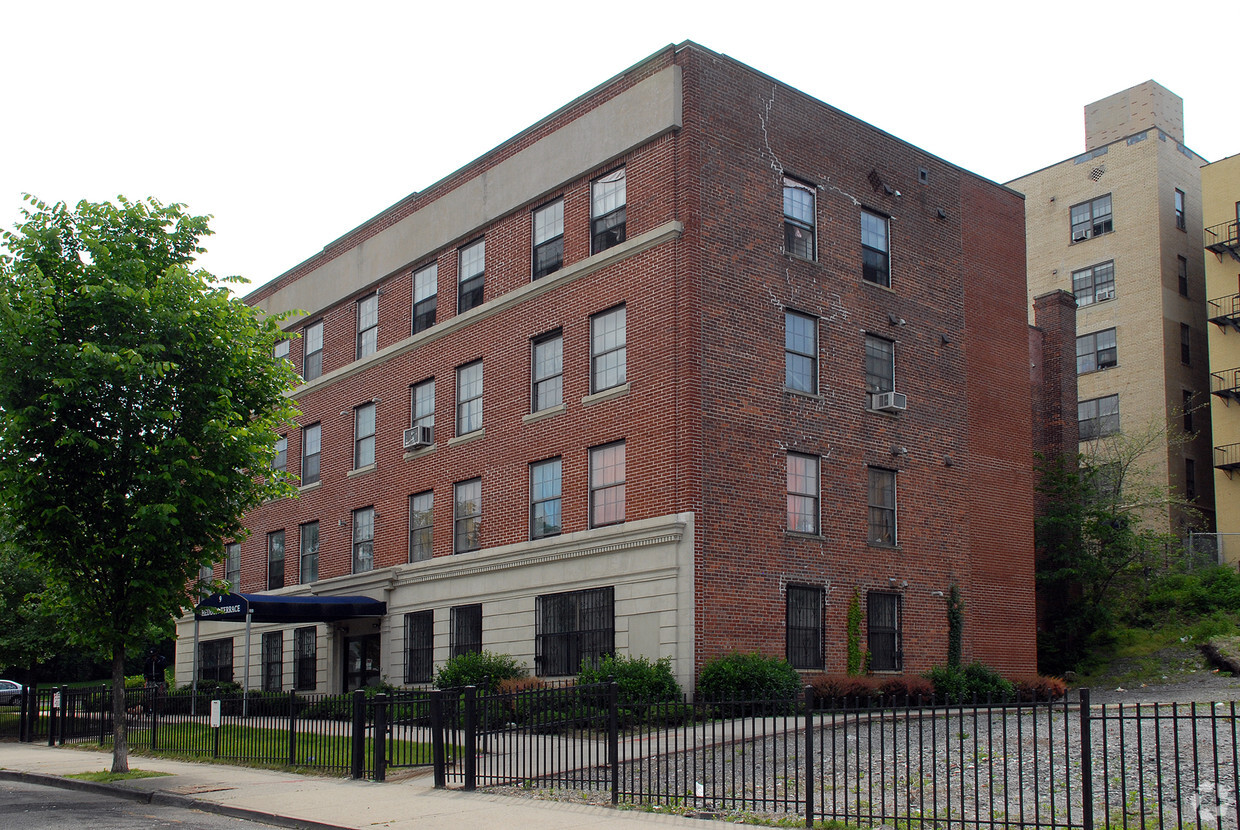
column 10, row 693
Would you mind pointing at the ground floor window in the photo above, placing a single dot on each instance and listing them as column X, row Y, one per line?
column 466, row 629
column 803, row 630
column 215, row 660
column 273, row 661
column 573, row 627
column 883, row 623
column 305, row 665
column 419, row 646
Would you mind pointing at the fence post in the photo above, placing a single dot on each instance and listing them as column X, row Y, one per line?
column 380, row 737
column 153, row 697
column 22, row 726
column 64, row 713
column 809, row 756
column 471, row 739
column 437, row 743
column 292, row 727
column 103, row 704
column 613, row 738
column 1087, row 764
column 359, row 733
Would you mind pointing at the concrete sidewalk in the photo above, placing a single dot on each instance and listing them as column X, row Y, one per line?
column 318, row 803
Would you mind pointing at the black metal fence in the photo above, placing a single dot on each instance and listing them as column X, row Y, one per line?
column 923, row 764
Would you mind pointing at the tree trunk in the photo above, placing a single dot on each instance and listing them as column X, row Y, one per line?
column 120, row 727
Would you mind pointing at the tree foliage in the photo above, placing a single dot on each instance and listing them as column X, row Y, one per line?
column 138, row 413
column 29, row 633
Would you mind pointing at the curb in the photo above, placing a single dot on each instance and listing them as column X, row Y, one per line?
column 166, row 799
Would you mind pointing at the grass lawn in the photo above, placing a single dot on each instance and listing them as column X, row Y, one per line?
column 103, row 776
column 252, row 744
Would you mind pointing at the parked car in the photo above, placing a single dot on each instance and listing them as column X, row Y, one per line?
column 10, row 693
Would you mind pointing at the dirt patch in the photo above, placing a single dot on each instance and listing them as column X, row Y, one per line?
column 1177, row 674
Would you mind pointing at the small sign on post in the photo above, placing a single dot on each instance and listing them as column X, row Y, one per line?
column 56, row 700
column 215, row 714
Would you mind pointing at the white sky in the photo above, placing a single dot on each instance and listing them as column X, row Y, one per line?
column 292, row 123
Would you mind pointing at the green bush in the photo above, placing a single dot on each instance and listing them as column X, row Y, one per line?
column 750, row 676
column 962, row 685
column 639, row 679
column 483, row 669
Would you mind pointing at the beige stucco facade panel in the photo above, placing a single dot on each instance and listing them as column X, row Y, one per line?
column 606, row 132
column 1220, row 185
column 649, row 563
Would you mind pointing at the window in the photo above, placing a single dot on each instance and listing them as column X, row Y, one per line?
column 281, row 350
column 545, row 499
column 800, row 352
column 421, row 508
column 1091, row 219
column 363, row 436
column 1095, row 351
column 311, row 446
column 419, row 646
column 425, row 296
column 1180, row 221
column 466, row 634
column 1186, row 344
column 1190, row 479
column 1181, row 273
column 312, row 342
column 1098, row 417
column 875, row 259
column 469, row 398
column 882, row 500
column 883, row 622
column 367, row 325
column 547, row 371
column 1094, row 284
column 573, row 628
column 548, row 239
column 607, row 211
column 467, row 516
column 608, row 349
column 880, row 365
column 215, row 660
column 232, row 565
column 305, row 659
column 799, row 219
column 280, row 462
column 273, row 661
column 422, row 405
column 802, row 493
column 803, row 627
column 607, row 484
column 363, row 540
column 309, row 571
column 471, row 276
column 275, row 560
column 1188, row 412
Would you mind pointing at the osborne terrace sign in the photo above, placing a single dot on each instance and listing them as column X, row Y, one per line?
column 263, row 608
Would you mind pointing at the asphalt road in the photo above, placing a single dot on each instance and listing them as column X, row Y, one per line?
column 33, row 807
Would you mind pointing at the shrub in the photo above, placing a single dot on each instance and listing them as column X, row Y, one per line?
column 639, row 679
column 828, row 687
column 902, row 689
column 974, row 680
column 1039, row 687
column 514, row 685
column 750, row 676
column 483, row 669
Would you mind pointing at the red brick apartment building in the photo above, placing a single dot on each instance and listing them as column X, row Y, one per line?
column 676, row 371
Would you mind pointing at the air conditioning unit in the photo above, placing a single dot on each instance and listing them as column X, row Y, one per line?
column 1080, row 236
column 1106, row 294
column 419, row 436
column 890, row 401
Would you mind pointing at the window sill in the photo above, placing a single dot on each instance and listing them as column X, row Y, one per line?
column 809, row 396
column 314, row 485
column 884, row 413
column 412, row 454
column 1095, row 236
column 796, row 534
column 549, row 412
column 467, row 437
column 799, row 258
column 882, row 546
column 878, row 285
column 606, row 395
column 361, row 471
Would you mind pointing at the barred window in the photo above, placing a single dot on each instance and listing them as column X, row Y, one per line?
column 573, row 628
column 305, row 659
column 215, row 660
column 273, row 661
column 466, row 630
column 883, row 624
column 803, row 629
column 419, row 646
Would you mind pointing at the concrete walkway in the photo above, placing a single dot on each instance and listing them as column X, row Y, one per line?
column 318, row 803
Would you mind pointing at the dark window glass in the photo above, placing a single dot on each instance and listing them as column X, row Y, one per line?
column 573, row 628
column 469, row 398
column 608, row 212
column 273, row 661
column 883, row 622
column 1096, row 351
column 1094, row 284
column 1180, row 221
column 875, row 250
column 1182, row 275
column 215, row 660
column 882, row 501
column 367, row 325
column 311, row 447
column 363, row 540
column 471, row 276
column 305, row 659
column 803, row 627
column 421, row 524
column 425, row 296
column 312, row 342
column 467, row 516
column 363, row 436
column 232, row 565
column 275, row 560
column 466, row 632
column 309, row 553
column 1090, row 219
column 1098, row 417
column 1186, row 345
column 799, row 219
column 880, row 364
column 548, row 239
column 419, row 645
column 547, row 371
column 1190, row 479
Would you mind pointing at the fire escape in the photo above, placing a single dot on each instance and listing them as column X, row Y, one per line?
column 1224, row 239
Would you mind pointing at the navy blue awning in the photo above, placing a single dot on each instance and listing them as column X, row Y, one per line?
column 277, row 609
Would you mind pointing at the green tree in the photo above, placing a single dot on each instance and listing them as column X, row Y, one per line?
column 29, row 633
column 138, row 413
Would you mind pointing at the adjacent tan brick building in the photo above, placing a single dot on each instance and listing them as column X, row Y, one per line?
column 1119, row 226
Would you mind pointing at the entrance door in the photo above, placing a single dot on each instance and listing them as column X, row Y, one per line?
column 361, row 661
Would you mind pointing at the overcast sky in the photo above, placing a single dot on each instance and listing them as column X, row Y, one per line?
column 293, row 123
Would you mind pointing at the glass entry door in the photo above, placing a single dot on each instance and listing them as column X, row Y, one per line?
column 361, row 661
